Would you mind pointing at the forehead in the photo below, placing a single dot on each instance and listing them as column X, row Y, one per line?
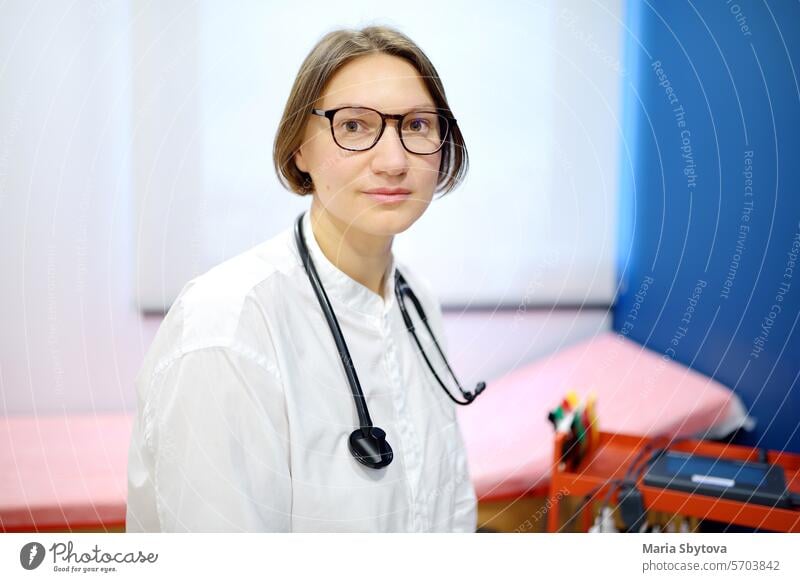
column 383, row 82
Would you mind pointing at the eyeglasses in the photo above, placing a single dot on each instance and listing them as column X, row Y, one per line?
column 359, row 128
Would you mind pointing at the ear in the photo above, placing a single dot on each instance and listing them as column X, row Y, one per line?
column 300, row 161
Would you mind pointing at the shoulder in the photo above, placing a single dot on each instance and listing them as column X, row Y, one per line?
column 418, row 281
column 212, row 302
column 218, row 309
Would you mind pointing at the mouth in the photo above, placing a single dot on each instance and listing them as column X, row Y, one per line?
column 388, row 195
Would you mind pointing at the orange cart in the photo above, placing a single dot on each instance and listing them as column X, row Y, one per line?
column 614, row 455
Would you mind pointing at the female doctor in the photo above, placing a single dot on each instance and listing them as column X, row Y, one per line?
column 301, row 385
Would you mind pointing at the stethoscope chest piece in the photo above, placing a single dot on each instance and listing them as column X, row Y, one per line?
column 368, row 445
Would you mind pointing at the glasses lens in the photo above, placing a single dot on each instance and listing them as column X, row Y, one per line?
column 424, row 131
column 356, row 129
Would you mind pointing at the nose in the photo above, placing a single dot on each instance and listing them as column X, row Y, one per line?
column 389, row 155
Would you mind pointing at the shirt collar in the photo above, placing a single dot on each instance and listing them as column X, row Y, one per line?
column 341, row 288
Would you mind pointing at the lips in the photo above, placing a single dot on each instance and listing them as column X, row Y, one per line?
column 388, row 195
column 388, row 191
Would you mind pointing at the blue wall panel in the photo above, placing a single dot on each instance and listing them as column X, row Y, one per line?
column 709, row 260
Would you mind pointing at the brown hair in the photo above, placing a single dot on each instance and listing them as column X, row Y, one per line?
column 330, row 54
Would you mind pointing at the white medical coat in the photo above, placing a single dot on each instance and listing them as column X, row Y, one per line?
column 244, row 410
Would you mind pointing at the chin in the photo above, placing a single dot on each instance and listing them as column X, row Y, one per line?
column 383, row 221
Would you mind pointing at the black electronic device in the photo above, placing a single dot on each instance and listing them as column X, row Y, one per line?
column 751, row 482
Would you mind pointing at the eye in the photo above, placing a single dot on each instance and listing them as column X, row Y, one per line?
column 351, row 125
column 418, row 124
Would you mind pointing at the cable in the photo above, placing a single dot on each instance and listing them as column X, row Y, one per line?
column 615, row 484
column 586, row 499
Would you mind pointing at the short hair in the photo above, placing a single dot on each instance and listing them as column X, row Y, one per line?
column 330, row 54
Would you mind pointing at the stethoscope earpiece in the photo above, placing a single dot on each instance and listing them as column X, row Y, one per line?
column 368, row 443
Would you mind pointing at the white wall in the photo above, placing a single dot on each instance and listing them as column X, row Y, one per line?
column 94, row 109
column 70, row 336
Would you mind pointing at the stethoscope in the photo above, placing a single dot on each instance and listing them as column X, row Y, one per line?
column 368, row 443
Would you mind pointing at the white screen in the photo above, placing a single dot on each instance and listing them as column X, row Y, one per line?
column 535, row 87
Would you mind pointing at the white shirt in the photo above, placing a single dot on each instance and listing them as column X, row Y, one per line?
column 244, row 410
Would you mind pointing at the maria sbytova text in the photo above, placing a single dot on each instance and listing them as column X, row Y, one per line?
column 692, row 549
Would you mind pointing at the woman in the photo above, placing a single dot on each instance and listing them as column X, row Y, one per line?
column 246, row 409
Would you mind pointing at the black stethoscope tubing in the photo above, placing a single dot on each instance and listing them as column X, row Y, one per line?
column 368, row 443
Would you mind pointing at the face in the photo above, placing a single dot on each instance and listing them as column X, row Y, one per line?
column 390, row 85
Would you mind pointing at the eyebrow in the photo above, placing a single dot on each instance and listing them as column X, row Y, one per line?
column 411, row 108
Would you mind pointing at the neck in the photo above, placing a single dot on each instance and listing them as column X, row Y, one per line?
column 361, row 256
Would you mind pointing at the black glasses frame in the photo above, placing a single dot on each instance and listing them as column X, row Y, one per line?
column 330, row 113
